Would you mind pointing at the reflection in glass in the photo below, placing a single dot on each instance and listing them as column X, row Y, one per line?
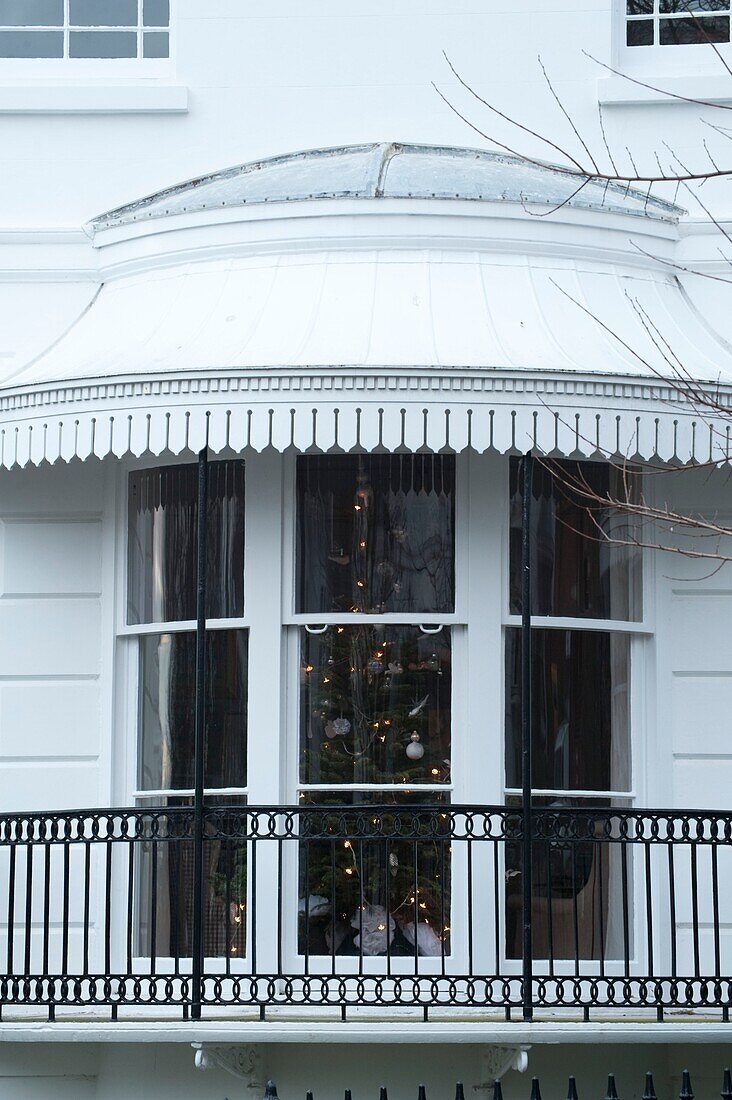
column 580, row 724
column 577, row 571
column 165, row 887
column 32, row 44
column 167, row 710
column 163, row 512
column 31, row 13
column 693, row 31
column 365, row 894
column 375, row 705
column 103, row 13
column 375, row 533
column 577, row 889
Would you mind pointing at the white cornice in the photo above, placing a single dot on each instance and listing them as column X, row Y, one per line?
column 358, row 225
column 47, row 254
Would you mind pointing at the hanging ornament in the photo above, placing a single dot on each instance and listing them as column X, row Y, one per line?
column 399, row 533
column 331, row 661
column 395, row 667
column 341, row 727
column 385, row 569
column 375, row 665
column 415, row 748
column 433, row 663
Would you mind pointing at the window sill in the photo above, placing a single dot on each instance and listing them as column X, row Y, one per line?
column 618, row 91
column 98, row 97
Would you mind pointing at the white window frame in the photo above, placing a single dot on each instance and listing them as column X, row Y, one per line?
column 456, row 622
column 680, row 68
column 640, row 632
column 91, row 66
column 128, row 667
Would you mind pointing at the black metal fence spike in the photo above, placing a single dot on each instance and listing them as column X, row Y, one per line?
column 649, row 1092
column 308, row 1095
column 535, row 1089
column 726, row 1092
column 572, row 1089
column 382, row 1093
column 686, row 1090
column 459, row 1093
column 612, row 1092
column 270, row 1091
column 421, row 1093
column 497, row 1090
column 347, row 1095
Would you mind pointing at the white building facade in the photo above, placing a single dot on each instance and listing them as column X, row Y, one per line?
column 266, row 805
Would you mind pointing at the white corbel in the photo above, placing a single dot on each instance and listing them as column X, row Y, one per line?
column 242, row 1062
column 496, row 1061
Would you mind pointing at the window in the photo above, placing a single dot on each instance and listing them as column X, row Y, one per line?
column 375, row 551
column 70, row 29
column 581, row 748
column 161, row 594
column 676, row 22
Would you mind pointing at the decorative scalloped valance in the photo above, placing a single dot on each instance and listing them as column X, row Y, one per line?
column 567, row 416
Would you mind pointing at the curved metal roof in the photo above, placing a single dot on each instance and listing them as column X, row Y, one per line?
column 388, row 170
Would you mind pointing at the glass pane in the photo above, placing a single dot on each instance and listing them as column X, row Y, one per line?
column 103, row 13
column 155, row 44
column 165, row 883
column 639, row 7
column 31, row 13
column 361, row 896
column 581, row 565
column 375, row 705
column 167, row 710
column 375, row 533
column 161, row 565
column 103, row 44
column 689, row 32
column 640, row 32
column 156, row 13
column 692, row 6
column 31, row 44
column 580, row 702
column 577, row 894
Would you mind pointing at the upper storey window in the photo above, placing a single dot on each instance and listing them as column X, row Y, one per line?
column 70, row 29
column 677, row 22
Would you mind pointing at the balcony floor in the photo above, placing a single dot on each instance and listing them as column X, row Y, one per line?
column 140, row 1025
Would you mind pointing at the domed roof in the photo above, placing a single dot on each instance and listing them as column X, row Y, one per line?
column 388, row 170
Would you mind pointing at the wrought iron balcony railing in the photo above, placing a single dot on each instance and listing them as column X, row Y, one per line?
column 379, row 905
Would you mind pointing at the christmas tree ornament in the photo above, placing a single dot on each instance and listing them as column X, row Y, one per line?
column 433, row 663
column 415, row 748
column 341, row 727
column 395, row 667
column 375, row 665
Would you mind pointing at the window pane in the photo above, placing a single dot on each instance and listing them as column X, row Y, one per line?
column 155, row 44
column 361, row 896
column 640, row 32
column 102, row 44
column 580, row 703
column 165, row 882
column 161, row 568
column 376, row 533
column 375, row 705
column 581, row 568
column 31, row 13
column 686, row 32
column 156, row 13
column 103, row 13
column 693, row 5
column 639, row 7
column 167, row 710
column 31, row 44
